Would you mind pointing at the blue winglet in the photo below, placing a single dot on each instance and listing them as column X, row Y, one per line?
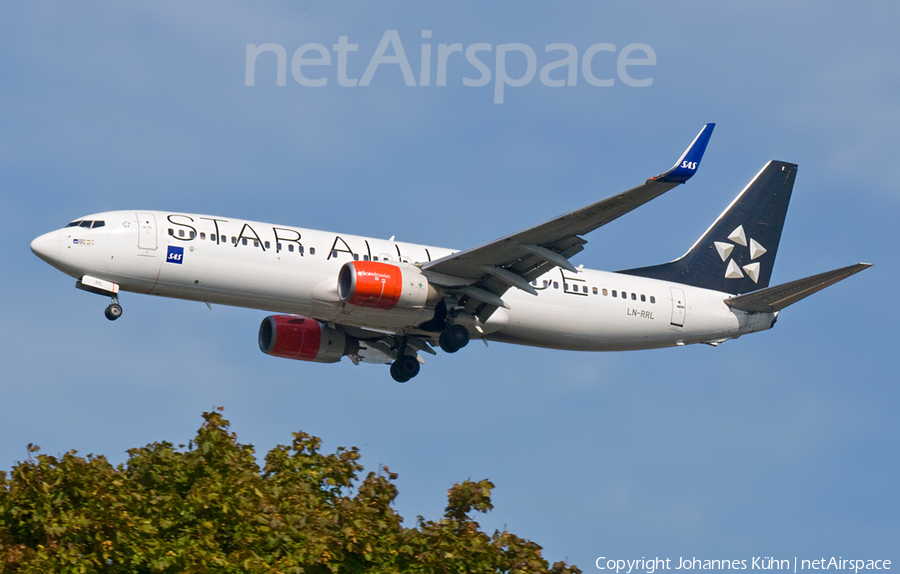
column 687, row 164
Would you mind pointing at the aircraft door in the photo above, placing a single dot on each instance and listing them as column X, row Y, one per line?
column 146, row 231
column 678, row 307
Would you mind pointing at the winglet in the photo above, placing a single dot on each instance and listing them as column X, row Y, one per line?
column 687, row 164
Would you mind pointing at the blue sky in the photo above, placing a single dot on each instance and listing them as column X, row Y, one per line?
column 783, row 443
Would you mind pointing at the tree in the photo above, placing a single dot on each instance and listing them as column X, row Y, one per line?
column 210, row 508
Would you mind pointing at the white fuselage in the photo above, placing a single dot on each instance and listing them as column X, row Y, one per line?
column 291, row 270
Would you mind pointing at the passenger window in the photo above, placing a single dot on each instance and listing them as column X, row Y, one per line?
column 312, row 250
column 595, row 290
column 615, row 294
column 375, row 258
column 213, row 237
column 86, row 224
column 605, row 292
column 634, row 297
column 534, row 282
column 652, row 299
column 643, row 298
column 171, row 232
column 624, row 295
column 255, row 243
column 300, row 249
column 193, row 234
column 556, row 285
column 291, row 247
column 584, row 289
column 98, row 224
column 546, row 283
column 365, row 257
column 243, row 241
column 565, row 286
column 233, row 240
column 267, row 245
column 356, row 256
column 181, row 233
column 277, row 248
column 202, row 235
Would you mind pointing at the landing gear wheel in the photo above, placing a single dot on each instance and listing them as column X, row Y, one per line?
column 113, row 312
column 395, row 375
column 404, row 368
column 454, row 338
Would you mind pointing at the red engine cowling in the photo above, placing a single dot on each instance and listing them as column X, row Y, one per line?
column 385, row 286
column 302, row 338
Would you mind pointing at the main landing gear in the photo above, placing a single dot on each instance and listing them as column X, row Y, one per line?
column 451, row 339
column 454, row 338
column 404, row 368
column 114, row 310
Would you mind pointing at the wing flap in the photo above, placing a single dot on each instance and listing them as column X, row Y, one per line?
column 773, row 299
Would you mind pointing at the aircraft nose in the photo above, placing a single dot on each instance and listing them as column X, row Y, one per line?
column 47, row 246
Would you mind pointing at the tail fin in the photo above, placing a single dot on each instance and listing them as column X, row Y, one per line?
column 737, row 253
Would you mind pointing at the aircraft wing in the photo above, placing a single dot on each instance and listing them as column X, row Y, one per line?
column 485, row 272
column 773, row 299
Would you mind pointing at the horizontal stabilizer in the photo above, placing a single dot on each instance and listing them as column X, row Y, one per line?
column 777, row 298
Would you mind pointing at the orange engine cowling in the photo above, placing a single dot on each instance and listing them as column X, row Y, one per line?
column 303, row 339
column 377, row 285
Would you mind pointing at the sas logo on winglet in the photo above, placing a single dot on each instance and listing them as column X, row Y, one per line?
column 175, row 255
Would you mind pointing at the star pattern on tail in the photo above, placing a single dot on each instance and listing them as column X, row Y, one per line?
column 737, row 239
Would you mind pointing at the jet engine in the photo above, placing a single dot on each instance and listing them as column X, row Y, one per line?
column 384, row 286
column 304, row 339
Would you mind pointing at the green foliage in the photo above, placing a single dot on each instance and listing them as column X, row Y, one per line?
column 210, row 508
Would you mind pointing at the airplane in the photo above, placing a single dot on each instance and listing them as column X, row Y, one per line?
column 384, row 301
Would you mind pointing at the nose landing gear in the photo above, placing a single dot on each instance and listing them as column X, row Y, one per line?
column 106, row 288
column 114, row 310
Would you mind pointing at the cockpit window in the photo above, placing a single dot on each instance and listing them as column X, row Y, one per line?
column 87, row 224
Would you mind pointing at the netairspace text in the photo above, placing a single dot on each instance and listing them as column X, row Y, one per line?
column 600, row 64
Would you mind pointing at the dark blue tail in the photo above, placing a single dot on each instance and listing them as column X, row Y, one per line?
column 737, row 253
